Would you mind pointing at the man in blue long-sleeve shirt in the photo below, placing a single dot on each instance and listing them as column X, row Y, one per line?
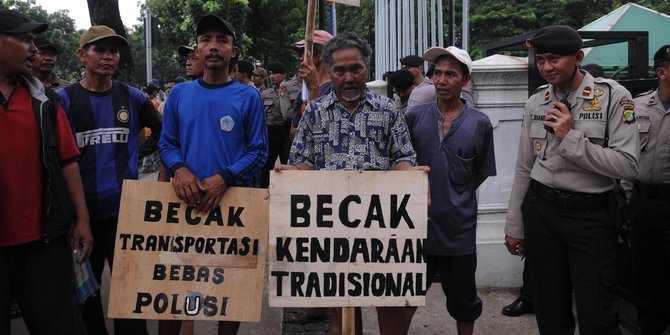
column 214, row 129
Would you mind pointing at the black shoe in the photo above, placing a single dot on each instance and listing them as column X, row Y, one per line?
column 518, row 308
column 14, row 311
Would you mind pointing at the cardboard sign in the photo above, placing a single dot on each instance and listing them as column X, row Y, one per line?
column 347, row 238
column 172, row 263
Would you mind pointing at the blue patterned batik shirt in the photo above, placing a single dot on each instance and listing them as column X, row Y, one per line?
column 373, row 137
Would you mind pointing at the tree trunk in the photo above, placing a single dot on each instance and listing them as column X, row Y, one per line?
column 106, row 12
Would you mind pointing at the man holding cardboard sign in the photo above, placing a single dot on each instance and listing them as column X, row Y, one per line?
column 215, row 131
column 351, row 128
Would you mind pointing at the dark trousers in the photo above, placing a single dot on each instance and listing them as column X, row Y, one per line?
column 571, row 249
column 39, row 275
column 104, row 234
column 457, row 276
column 277, row 138
column 650, row 241
column 526, row 293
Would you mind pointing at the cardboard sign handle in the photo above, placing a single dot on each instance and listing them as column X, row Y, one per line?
column 309, row 26
column 348, row 320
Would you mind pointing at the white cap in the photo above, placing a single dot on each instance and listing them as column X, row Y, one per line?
column 461, row 55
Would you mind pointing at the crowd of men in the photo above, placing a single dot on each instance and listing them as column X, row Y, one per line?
column 66, row 154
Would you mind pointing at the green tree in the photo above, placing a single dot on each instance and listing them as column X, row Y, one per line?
column 495, row 20
column 61, row 32
column 106, row 12
column 272, row 26
column 177, row 20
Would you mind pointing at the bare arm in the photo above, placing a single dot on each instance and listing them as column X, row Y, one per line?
column 213, row 187
column 479, row 180
column 162, row 173
column 310, row 76
column 81, row 231
column 296, row 166
column 187, row 186
column 407, row 166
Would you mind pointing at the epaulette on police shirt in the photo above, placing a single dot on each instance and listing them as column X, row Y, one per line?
column 606, row 81
column 645, row 93
column 540, row 88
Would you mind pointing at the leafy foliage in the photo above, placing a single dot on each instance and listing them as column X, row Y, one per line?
column 61, row 32
column 494, row 20
column 266, row 28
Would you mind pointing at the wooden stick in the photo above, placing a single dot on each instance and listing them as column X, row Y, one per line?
column 188, row 327
column 309, row 26
column 348, row 320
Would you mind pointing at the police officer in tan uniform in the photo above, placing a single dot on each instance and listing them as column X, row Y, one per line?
column 292, row 87
column 259, row 76
column 650, row 202
column 277, row 115
column 558, row 212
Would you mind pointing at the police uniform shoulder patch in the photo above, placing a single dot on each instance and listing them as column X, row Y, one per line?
column 628, row 110
column 628, row 116
column 627, row 102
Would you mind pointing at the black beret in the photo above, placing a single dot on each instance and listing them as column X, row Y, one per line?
column 245, row 67
column 276, row 68
column 662, row 54
column 412, row 61
column 561, row 40
column 401, row 79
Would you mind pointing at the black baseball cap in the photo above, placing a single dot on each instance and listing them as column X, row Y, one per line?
column 13, row 22
column 663, row 54
column 42, row 43
column 213, row 20
column 184, row 50
column 560, row 40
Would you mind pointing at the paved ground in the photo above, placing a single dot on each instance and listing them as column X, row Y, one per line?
column 428, row 320
column 431, row 319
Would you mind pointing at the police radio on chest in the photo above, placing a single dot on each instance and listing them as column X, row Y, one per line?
column 564, row 101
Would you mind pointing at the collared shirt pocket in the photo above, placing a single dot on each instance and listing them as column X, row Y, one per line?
column 461, row 170
column 643, row 128
column 593, row 130
column 267, row 104
column 539, row 137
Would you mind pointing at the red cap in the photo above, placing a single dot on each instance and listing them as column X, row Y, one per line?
column 320, row 37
